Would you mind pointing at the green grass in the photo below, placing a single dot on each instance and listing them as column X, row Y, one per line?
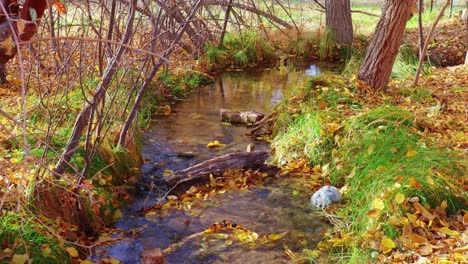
column 376, row 153
column 303, row 139
column 23, row 236
column 381, row 155
column 241, row 49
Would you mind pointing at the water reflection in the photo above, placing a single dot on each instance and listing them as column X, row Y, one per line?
column 313, row 70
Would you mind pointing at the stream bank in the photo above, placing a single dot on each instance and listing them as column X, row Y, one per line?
column 274, row 209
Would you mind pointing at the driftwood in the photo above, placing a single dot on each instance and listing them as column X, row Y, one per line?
column 242, row 160
column 262, row 126
column 236, row 117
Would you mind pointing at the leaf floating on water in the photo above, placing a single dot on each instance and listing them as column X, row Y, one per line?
column 167, row 173
column 110, row 261
column 215, row 144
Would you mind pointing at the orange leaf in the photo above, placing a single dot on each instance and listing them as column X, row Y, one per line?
column 417, row 238
column 61, row 8
column 414, row 183
column 411, row 153
column 374, row 213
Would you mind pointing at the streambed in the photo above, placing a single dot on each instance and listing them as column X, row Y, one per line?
column 274, row 209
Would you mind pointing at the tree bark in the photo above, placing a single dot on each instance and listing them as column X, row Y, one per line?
column 384, row 45
column 338, row 13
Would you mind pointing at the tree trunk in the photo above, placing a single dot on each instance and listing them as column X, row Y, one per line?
column 338, row 13
column 383, row 48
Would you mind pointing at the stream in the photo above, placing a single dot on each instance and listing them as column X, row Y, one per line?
column 274, row 209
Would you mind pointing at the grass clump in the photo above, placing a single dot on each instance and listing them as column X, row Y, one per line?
column 241, row 49
column 180, row 83
column 22, row 238
column 390, row 174
column 383, row 158
column 303, row 139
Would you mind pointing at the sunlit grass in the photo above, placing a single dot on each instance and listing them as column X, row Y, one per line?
column 25, row 238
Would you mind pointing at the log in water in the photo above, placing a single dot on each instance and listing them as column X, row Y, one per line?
column 243, row 160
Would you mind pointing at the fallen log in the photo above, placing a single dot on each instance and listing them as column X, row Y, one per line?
column 262, row 126
column 243, row 160
column 236, row 117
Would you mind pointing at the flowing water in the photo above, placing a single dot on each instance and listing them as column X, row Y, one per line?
column 274, row 209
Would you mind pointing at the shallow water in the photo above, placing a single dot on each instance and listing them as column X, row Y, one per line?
column 271, row 209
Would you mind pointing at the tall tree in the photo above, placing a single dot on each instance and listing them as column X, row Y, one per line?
column 339, row 20
column 383, row 48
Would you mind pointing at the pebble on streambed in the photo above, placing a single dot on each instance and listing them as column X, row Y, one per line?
column 326, row 196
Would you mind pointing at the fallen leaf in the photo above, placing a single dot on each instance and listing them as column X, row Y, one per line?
column 72, row 252
column 386, row 245
column 415, row 184
column 378, row 204
column 214, row 144
column 374, row 213
column 411, row 153
column 399, row 198
column 19, row 259
column 417, row 238
column 448, row 231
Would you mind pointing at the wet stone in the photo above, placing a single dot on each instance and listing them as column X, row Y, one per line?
column 152, row 256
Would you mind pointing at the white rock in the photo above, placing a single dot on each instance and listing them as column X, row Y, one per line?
column 326, row 196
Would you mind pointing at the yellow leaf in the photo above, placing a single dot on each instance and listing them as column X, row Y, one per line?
column 465, row 248
column 386, row 245
column 377, row 204
column 399, row 198
column 275, row 237
column 443, row 205
column 430, row 180
column 214, row 144
column 19, row 259
column 72, row 252
column 411, row 153
column 393, row 150
column 212, row 180
column 448, row 231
